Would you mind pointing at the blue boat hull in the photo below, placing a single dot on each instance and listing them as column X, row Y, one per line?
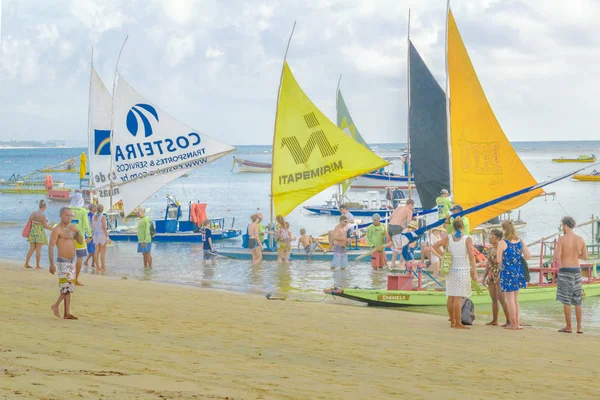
column 177, row 237
column 357, row 212
column 244, row 254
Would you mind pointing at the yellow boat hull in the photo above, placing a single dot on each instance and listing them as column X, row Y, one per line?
column 587, row 178
column 574, row 160
column 23, row 191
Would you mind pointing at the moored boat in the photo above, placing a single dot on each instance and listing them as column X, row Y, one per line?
column 594, row 176
column 250, row 166
column 581, row 159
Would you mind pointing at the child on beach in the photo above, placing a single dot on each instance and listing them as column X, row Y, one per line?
column 308, row 244
column 207, row 244
column 341, row 240
column 283, row 238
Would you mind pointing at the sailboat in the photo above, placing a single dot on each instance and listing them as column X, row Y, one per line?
column 310, row 154
column 477, row 155
column 373, row 204
column 136, row 149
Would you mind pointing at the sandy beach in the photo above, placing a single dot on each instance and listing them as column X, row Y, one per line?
column 144, row 340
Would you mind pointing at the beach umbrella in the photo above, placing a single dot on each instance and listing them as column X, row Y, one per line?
column 82, row 166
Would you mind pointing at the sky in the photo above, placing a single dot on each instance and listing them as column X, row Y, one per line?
column 215, row 65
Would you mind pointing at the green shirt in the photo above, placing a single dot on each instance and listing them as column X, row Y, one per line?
column 82, row 223
column 376, row 235
column 465, row 220
column 143, row 230
column 443, row 206
column 261, row 232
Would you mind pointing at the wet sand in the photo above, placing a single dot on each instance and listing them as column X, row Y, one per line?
column 145, row 340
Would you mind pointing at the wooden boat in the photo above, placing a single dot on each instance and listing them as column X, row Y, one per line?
column 68, row 166
column 593, row 177
column 379, row 180
column 250, row 166
column 581, row 159
column 244, row 254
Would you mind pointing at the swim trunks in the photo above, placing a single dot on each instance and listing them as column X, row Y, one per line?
column 340, row 256
column 569, row 289
column 65, row 269
column 309, row 249
column 146, row 249
column 395, row 229
column 81, row 252
column 252, row 244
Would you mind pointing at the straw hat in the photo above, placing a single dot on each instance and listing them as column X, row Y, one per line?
column 413, row 225
column 439, row 228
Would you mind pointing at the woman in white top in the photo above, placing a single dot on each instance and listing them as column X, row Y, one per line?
column 100, row 238
column 458, row 280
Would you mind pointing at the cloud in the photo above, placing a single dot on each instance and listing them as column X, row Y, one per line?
column 179, row 48
column 213, row 52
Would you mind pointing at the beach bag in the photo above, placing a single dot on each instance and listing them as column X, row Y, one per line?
column 26, row 229
column 152, row 231
column 446, row 263
column 525, row 269
column 467, row 313
column 245, row 238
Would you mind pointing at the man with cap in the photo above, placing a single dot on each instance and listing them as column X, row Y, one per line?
column 376, row 234
column 444, row 204
column 81, row 222
column 449, row 219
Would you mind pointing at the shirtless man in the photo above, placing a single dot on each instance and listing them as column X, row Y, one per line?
column 570, row 248
column 399, row 220
column 340, row 240
column 64, row 236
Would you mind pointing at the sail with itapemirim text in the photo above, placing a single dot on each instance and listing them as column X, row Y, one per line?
column 484, row 165
column 310, row 153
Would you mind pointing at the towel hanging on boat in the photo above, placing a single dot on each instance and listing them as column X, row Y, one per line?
column 198, row 213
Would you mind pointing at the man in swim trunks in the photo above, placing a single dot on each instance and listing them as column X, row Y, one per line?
column 570, row 248
column 399, row 220
column 341, row 240
column 351, row 231
column 81, row 221
column 65, row 236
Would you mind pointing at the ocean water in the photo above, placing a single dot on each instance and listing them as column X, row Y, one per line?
column 236, row 196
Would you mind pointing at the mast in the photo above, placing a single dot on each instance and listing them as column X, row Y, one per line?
column 451, row 188
column 91, row 178
column 112, row 122
column 275, row 124
column 337, row 96
column 408, row 106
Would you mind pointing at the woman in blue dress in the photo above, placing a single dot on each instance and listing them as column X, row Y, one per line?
column 512, row 276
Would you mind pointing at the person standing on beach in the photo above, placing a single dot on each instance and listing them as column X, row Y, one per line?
column 91, row 249
column 80, row 220
column 444, row 204
column 100, row 238
column 261, row 229
column 491, row 278
column 144, row 237
column 399, row 220
column 570, row 248
column 512, row 277
column 37, row 235
column 283, row 240
column 207, row 243
column 65, row 236
column 458, row 280
column 340, row 240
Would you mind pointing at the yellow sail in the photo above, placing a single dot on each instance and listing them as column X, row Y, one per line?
column 310, row 153
column 484, row 165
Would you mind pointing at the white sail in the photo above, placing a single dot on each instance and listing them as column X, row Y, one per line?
column 100, row 108
column 150, row 148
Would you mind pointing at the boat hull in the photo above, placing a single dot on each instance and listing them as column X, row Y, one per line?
column 357, row 212
column 404, row 298
column 573, row 160
column 587, row 178
column 177, row 237
column 379, row 181
column 23, row 191
column 244, row 254
column 246, row 168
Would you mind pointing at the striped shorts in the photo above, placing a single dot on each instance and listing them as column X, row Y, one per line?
column 569, row 286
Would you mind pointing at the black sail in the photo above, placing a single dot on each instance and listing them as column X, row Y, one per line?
column 428, row 132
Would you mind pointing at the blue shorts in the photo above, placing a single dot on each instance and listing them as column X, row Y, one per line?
column 81, row 253
column 146, row 249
